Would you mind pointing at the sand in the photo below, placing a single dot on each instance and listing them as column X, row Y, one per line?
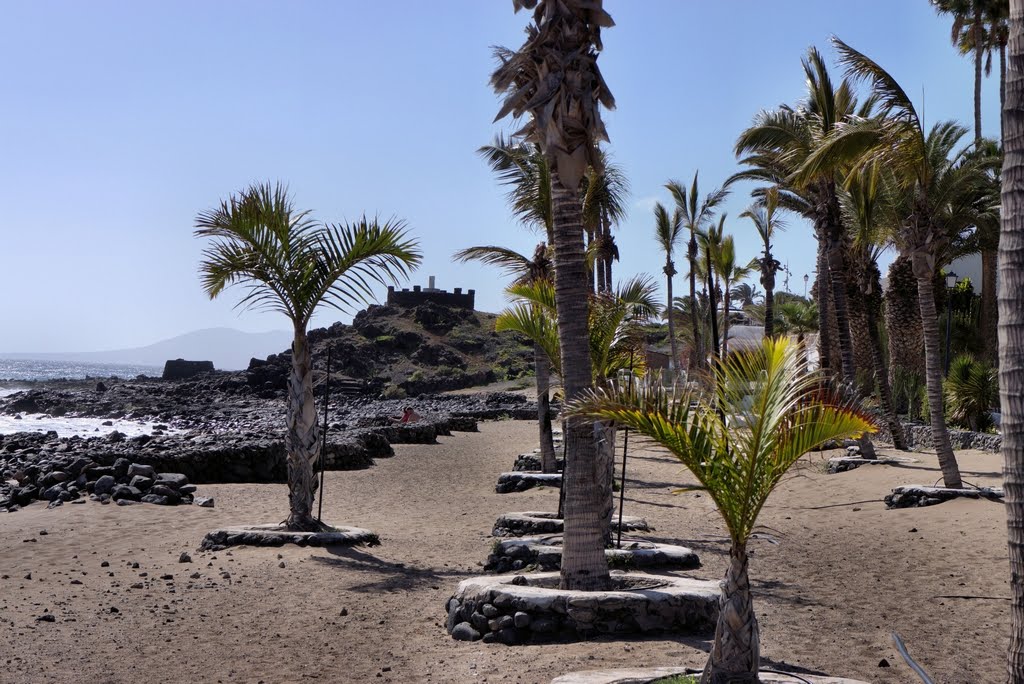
column 834, row 573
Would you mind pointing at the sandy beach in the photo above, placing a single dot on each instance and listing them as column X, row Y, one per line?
column 834, row 574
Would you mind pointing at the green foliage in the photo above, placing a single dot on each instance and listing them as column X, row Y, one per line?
column 738, row 440
column 393, row 392
column 909, row 390
column 291, row 264
column 970, row 390
column 384, row 340
column 679, row 679
column 417, row 375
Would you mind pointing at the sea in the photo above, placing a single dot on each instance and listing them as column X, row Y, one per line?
column 38, row 369
column 14, row 373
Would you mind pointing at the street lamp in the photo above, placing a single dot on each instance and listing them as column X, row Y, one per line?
column 950, row 284
column 806, row 278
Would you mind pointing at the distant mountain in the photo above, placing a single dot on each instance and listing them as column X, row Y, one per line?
column 229, row 349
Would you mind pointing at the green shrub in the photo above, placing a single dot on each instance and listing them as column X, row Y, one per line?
column 970, row 390
column 393, row 392
column 384, row 340
column 417, row 375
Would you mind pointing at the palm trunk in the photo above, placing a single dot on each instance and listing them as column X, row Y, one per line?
column 1011, row 336
column 725, row 319
column 899, row 439
column 669, row 272
column 604, row 436
column 698, row 339
column 976, row 29
column 825, row 360
column 302, row 438
column 903, row 324
column 925, row 273
column 584, row 566
column 548, row 462
column 713, row 309
column 596, row 274
column 768, row 283
column 610, row 256
column 837, row 279
column 736, row 652
column 989, row 305
column 1002, row 91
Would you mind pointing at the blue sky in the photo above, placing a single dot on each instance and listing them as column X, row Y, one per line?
column 122, row 120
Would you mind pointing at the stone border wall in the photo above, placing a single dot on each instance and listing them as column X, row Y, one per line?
column 919, row 436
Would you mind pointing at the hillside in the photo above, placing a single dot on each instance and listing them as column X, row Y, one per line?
column 398, row 351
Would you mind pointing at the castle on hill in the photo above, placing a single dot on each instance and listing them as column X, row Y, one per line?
column 418, row 295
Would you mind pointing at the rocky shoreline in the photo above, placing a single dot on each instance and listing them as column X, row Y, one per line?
column 207, row 430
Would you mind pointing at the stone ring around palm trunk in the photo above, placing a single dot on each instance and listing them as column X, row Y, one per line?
column 516, row 609
column 542, row 522
column 545, row 553
column 279, row 535
column 653, row 675
column 520, row 481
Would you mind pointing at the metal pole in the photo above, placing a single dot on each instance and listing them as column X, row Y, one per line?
column 323, row 438
column 625, row 448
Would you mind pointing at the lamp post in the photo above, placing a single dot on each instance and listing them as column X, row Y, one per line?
column 806, row 278
column 950, row 284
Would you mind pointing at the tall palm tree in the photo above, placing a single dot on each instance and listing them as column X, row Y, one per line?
column 554, row 79
column 968, row 36
column 775, row 148
column 697, row 217
column 526, row 270
column 1011, row 336
column 739, row 466
column 291, row 264
column 710, row 247
column 941, row 187
column 871, row 217
column 764, row 215
column 667, row 229
column 979, row 27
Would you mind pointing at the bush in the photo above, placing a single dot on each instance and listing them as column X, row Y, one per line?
column 970, row 390
column 417, row 375
column 393, row 392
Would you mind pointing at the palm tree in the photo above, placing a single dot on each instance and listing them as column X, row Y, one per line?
column 872, row 217
column 604, row 193
column 798, row 318
column 615, row 341
column 710, row 247
column 767, row 223
column 747, row 295
column 776, row 147
column 979, row 27
column 941, row 188
column 291, row 264
column 697, row 217
column 554, row 78
column 1011, row 336
column 527, row 270
column 731, row 273
column 738, row 466
column 667, row 229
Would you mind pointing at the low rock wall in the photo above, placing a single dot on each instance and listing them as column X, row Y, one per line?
column 919, row 437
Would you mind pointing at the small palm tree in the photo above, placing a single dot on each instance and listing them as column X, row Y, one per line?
column 784, row 415
column 291, row 264
column 667, row 229
column 526, row 270
column 797, row 318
